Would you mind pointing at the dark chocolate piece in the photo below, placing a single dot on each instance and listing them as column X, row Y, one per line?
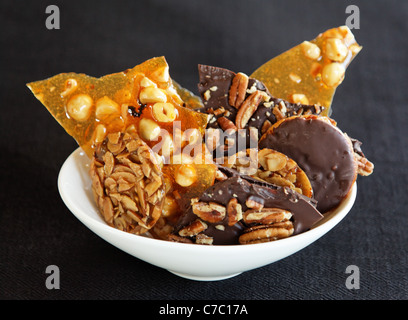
column 357, row 146
column 218, row 82
column 214, row 89
column 243, row 187
column 322, row 151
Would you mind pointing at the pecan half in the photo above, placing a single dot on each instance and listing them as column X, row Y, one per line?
column 204, row 239
column 266, row 233
column 248, row 108
column 175, row 238
column 226, row 124
column 193, row 228
column 238, row 89
column 253, row 203
column 266, row 216
column 234, row 211
column 364, row 166
column 209, row 211
column 280, row 111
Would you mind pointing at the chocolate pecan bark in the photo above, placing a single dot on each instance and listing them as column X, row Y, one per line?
column 232, row 206
column 236, row 101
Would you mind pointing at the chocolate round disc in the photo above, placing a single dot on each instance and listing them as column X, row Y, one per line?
column 321, row 150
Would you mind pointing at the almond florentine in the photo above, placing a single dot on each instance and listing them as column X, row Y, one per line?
column 127, row 183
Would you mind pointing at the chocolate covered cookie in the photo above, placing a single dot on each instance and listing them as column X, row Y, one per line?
column 322, row 150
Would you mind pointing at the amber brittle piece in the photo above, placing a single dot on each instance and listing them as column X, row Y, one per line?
column 71, row 98
column 191, row 100
column 143, row 101
column 89, row 108
column 310, row 72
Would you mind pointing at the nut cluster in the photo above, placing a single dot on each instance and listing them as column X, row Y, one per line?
column 279, row 169
column 246, row 105
column 284, row 110
column 127, row 183
column 364, row 166
column 325, row 59
column 271, row 166
column 247, row 101
column 334, row 51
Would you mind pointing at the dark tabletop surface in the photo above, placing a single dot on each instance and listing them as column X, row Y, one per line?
column 101, row 37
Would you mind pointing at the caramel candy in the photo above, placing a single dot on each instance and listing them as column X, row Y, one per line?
column 311, row 71
column 140, row 102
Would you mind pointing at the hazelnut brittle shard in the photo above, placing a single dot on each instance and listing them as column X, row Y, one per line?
column 89, row 108
column 142, row 106
column 310, row 72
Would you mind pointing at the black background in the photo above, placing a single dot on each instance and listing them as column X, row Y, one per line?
column 101, row 37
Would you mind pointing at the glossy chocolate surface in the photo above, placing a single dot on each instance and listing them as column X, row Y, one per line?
column 218, row 81
column 322, row 151
column 213, row 87
column 244, row 187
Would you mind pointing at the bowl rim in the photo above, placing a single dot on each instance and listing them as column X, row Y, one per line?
column 330, row 220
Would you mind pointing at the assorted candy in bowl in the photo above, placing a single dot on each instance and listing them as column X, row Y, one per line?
column 248, row 160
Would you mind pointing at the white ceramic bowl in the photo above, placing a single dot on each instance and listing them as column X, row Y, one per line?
column 191, row 261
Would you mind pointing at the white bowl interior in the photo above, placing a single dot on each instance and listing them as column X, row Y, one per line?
column 197, row 262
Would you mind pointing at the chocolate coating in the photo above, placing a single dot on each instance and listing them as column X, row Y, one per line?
column 217, row 81
column 220, row 78
column 322, row 151
column 242, row 187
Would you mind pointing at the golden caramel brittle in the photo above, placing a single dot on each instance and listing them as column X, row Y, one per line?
column 89, row 108
column 142, row 102
column 310, row 72
column 191, row 100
